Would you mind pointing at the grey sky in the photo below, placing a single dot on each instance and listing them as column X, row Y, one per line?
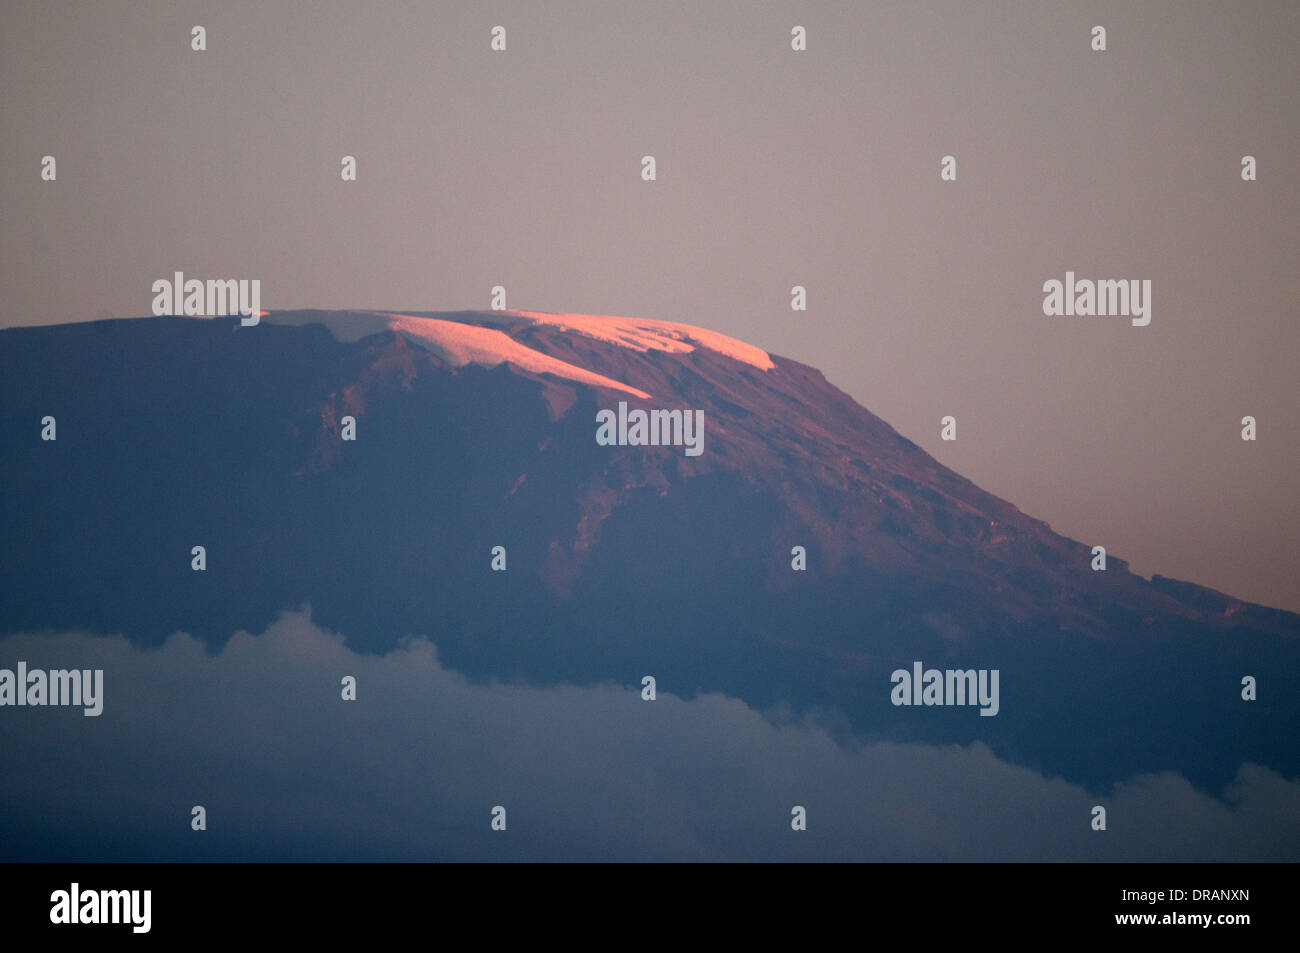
column 775, row 168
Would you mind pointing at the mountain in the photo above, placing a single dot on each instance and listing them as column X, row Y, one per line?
column 478, row 429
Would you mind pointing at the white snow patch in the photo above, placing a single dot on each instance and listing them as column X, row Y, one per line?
column 640, row 334
column 458, row 344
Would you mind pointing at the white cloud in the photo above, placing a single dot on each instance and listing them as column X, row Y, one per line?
column 259, row 735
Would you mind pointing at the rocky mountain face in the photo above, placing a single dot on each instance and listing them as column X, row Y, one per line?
column 478, row 429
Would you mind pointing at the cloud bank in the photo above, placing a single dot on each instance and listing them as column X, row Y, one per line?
column 259, row 735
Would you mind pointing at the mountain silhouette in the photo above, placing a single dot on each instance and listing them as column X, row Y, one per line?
column 477, row 429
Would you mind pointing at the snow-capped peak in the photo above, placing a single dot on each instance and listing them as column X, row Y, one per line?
column 640, row 334
column 457, row 343
column 460, row 343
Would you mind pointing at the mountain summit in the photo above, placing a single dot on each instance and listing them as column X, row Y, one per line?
column 477, row 430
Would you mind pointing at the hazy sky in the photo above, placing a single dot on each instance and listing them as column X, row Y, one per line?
column 775, row 168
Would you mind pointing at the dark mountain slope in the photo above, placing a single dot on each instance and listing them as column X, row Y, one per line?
column 622, row 561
